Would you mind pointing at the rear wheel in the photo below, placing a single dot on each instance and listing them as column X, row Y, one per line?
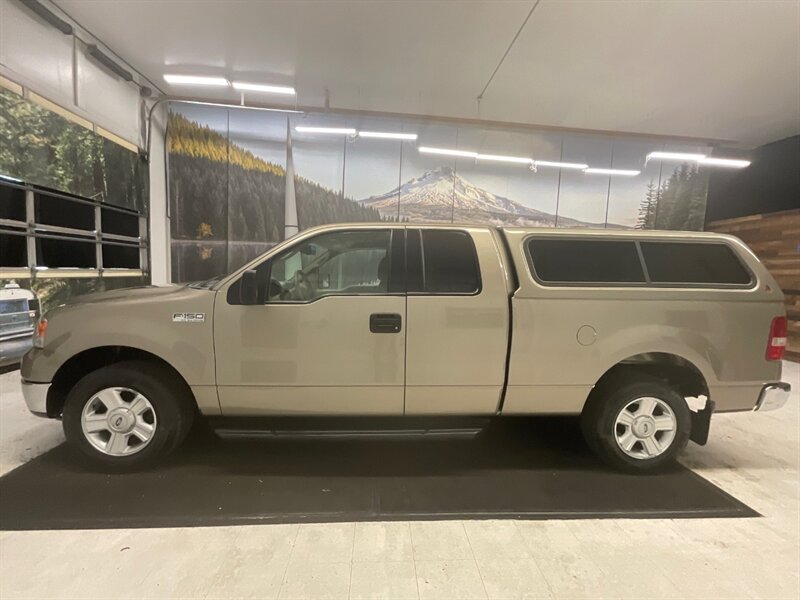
column 638, row 425
column 128, row 414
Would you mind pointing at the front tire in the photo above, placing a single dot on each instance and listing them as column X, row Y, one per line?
column 127, row 415
column 637, row 426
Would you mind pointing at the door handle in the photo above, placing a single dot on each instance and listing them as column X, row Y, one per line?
column 385, row 323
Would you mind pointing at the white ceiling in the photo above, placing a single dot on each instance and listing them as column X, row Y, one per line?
column 726, row 70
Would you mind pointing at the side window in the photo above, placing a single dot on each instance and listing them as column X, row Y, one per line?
column 340, row 262
column 449, row 263
column 572, row 261
column 693, row 263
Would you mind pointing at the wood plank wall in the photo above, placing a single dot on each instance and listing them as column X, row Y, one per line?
column 775, row 238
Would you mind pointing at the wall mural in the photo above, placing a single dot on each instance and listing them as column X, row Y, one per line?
column 228, row 173
column 41, row 147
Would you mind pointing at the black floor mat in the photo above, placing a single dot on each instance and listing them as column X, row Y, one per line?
column 532, row 469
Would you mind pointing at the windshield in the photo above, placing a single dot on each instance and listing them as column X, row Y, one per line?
column 13, row 306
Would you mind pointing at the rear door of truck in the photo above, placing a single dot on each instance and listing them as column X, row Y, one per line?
column 457, row 321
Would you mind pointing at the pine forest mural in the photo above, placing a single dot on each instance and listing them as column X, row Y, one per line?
column 227, row 181
column 228, row 204
column 679, row 203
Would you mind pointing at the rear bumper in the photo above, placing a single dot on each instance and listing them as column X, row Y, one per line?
column 35, row 395
column 773, row 396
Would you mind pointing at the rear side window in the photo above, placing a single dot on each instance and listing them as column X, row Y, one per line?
column 693, row 263
column 449, row 263
column 585, row 261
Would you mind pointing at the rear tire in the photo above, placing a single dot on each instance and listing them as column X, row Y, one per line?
column 127, row 415
column 636, row 425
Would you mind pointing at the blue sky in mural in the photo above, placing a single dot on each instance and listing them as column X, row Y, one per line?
column 374, row 169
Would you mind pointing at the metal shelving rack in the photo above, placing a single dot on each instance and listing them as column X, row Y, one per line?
column 16, row 222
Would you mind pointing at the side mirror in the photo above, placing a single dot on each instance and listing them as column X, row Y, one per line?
column 248, row 288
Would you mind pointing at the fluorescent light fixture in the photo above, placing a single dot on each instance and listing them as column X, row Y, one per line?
column 675, row 156
column 258, row 87
column 196, row 80
column 512, row 159
column 448, row 152
column 702, row 159
column 335, row 130
column 560, row 165
column 387, row 135
column 239, row 107
column 733, row 163
column 626, row 172
column 9, row 178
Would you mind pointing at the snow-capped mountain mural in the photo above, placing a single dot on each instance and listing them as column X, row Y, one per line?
column 442, row 195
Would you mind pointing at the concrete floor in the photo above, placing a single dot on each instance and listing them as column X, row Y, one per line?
column 753, row 456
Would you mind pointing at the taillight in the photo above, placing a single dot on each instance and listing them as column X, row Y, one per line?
column 777, row 338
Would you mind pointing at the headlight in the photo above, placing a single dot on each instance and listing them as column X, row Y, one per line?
column 41, row 329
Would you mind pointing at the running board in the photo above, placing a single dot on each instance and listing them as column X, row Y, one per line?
column 338, row 427
column 251, row 433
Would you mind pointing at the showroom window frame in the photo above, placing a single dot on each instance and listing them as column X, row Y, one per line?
column 34, row 231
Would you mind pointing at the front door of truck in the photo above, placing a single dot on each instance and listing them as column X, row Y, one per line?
column 327, row 335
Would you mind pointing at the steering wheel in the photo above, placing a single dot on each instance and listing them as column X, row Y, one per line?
column 275, row 289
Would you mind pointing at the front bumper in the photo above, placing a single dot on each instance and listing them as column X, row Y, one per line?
column 773, row 396
column 35, row 395
column 11, row 350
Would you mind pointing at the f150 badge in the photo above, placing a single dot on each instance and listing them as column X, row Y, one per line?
column 188, row 317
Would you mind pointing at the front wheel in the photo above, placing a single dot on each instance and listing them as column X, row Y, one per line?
column 637, row 426
column 128, row 414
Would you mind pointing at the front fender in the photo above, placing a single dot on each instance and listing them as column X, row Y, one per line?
column 141, row 323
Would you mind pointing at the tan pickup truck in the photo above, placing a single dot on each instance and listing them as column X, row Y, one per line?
column 391, row 324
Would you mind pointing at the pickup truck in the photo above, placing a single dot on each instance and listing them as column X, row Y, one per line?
column 398, row 323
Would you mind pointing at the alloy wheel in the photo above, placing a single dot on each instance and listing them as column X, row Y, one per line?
column 118, row 421
column 645, row 427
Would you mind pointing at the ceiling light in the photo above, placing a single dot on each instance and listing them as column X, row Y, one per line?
column 196, row 80
column 626, row 172
column 560, row 165
column 269, row 89
column 675, row 156
column 387, row 135
column 512, row 159
column 239, row 106
column 725, row 162
column 448, row 152
column 337, row 130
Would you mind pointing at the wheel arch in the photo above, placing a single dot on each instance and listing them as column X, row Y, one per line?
column 677, row 371
column 84, row 362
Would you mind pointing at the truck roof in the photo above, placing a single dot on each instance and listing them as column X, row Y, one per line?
column 549, row 231
column 12, row 291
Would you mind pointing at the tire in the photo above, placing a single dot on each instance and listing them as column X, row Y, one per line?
column 622, row 428
column 127, row 415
